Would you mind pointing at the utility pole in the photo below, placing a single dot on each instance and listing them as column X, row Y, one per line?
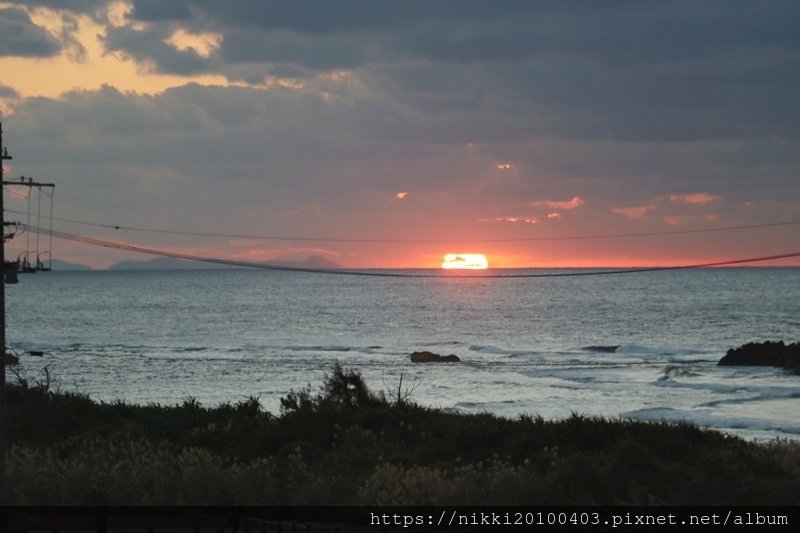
column 9, row 275
column 3, row 419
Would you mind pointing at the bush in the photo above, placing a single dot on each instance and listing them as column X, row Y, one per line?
column 346, row 445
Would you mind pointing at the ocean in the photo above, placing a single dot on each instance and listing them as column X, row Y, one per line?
column 541, row 346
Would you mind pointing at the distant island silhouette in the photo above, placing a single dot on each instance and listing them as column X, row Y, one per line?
column 59, row 265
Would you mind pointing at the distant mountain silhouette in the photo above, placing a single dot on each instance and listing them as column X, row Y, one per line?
column 58, row 264
column 162, row 263
column 170, row 263
column 313, row 261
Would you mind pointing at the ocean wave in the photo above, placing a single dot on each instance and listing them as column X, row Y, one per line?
column 76, row 347
column 575, row 376
column 673, row 371
column 313, row 348
column 496, row 350
column 446, row 343
column 780, row 395
column 755, row 392
column 601, row 348
column 705, row 418
column 210, row 358
column 180, row 351
column 692, row 361
column 317, row 348
column 672, row 353
column 666, row 351
column 488, row 406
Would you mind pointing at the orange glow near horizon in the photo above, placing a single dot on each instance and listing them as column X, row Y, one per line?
column 465, row 261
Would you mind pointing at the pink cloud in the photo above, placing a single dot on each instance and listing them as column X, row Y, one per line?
column 554, row 216
column 576, row 202
column 634, row 212
column 698, row 198
column 401, row 195
column 526, row 220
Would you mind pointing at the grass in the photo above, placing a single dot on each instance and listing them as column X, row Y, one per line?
column 346, row 445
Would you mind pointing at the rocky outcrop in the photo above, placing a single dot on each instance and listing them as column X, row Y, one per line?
column 765, row 354
column 430, row 357
column 601, row 349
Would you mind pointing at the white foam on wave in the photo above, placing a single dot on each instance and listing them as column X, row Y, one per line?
column 663, row 351
column 680, row 371
column 738, row 388
column 314, row 348
column 708, row 418
column 446, row 343
column 188, row 352
column 485, row 406
column 73, row 347
column 497, row 350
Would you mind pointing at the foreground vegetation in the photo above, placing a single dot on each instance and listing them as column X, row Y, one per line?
column 349, row 445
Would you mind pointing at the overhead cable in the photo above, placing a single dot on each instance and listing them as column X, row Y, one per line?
column 387, row 274
column 118, row 227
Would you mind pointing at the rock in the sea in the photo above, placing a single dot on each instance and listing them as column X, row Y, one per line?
column 11, row 359
column 764, row 354
column 601, row 349
column 430, row 357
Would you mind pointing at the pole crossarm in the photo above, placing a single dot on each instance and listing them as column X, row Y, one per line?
column 30, row 183
column 23, row 264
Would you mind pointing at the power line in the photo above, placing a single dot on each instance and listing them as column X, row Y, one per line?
column 247, row 264
column 416, row 241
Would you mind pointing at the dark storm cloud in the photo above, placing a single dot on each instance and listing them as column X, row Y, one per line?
column 619, row 33
column 7, row 92
column 158, row 10
column 212, row 146
column 19, row 36
column 326, row 17
column 302, row 143
column 80, row 6
column 205, row 131
column 469, row 31
column 149, row 45
column 670, row 72
column 318, row 52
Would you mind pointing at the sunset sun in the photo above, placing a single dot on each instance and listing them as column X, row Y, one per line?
column 465, row 261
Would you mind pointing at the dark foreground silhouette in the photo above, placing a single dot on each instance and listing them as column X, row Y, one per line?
column 347, row 444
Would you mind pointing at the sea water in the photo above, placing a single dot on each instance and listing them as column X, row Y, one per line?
column 638, row 345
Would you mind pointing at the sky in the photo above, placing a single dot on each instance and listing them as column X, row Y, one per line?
column 469, row 123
